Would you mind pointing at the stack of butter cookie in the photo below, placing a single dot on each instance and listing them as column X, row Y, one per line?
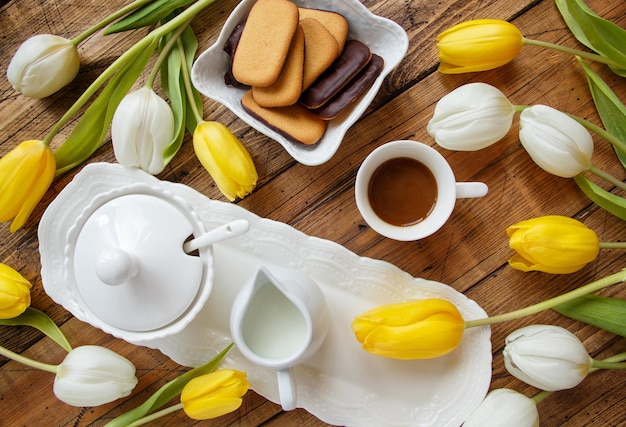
column 300, row 67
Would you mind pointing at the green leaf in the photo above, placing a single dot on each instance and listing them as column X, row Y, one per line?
column 611, row 110
column 603, row 312
column 39, row 320
column 88, row 134
column 598, row 34
column 608, row 201
column 173, row 83
column 167, row 392
column 149, row 14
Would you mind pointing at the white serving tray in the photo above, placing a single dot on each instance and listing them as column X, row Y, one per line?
column 341, row 384
column 383, row 36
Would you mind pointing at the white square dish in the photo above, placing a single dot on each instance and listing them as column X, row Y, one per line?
column 383, row 36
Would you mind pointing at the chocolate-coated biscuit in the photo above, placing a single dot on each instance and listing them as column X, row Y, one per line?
column 265, row 42
column 352, row 90
column 288, row 87
column 334, row 22
column 354, row 57
column 230, row 47
column 295, row 122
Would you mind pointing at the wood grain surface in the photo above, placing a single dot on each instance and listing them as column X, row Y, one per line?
column 469, row 253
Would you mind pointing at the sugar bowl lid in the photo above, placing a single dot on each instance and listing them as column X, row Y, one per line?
column 130, row 269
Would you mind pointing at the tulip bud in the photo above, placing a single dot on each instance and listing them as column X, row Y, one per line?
column 42, row 65
column 504, row 407
column 556, row 142
column 471, row 117
column 478, row 45
column 552, row 244
column 141, row 129
column 419, row 329
column 547, row 357
column 26, row 172
column 214, row 394
column 14, row 293
column 225, row 158
column 92, row 375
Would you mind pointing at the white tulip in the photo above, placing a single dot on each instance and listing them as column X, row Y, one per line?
column 556, row 142
column 42, row 65
column 471, row 117
column 92, row 375
column 142, row 127
column 547, row 357
column 504, row 408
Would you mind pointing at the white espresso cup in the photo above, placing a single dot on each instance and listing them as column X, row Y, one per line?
column 406, row 190
column 279, row 319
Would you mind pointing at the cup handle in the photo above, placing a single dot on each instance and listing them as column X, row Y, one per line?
column 286, row 389
column 469, row 190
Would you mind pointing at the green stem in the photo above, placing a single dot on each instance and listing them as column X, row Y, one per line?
column 612, row 245
column 619, row 357
column 154, row 416
column 610, row 178
column 602, row 364
column 552, row 302
column 601, row 132
column 188, row 85
column 583, row 54
column 540, row 396
column 26, row 361
column 136, row 49
column 106, row 21
column 163, row 54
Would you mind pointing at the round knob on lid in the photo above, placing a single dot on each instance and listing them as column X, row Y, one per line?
column 116, row 266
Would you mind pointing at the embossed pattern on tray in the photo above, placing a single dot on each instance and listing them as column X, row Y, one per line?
column 341, row 384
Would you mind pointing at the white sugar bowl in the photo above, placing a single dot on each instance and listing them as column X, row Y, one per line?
column 138, row 262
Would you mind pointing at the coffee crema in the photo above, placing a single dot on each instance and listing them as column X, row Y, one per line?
column 402, row 191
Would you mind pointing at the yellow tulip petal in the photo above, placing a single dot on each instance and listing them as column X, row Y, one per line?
column 478, row 45
column 416, row 329
column 26, row 172
column 205, row 409
column 418, row 341
column 14, row 292
column 404, row 313
column 520, row 263
column 214, row 394
column 552, row 244
column 225, row 158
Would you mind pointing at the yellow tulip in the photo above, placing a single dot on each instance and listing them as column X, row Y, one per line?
column 214, row 394
column 420, row 329
column 26, row 172
column 478, row 45
column 14, row 292
column 552, row 244
column 225, row 158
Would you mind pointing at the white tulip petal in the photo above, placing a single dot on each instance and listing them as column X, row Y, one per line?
column 547, row 357
column 92, row 376
column 504, row 407
column 556, row 142
column 42, row 65
column 471, row 117
column 142, row 128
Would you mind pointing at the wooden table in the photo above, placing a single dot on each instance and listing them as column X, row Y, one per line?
column 470, row 253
